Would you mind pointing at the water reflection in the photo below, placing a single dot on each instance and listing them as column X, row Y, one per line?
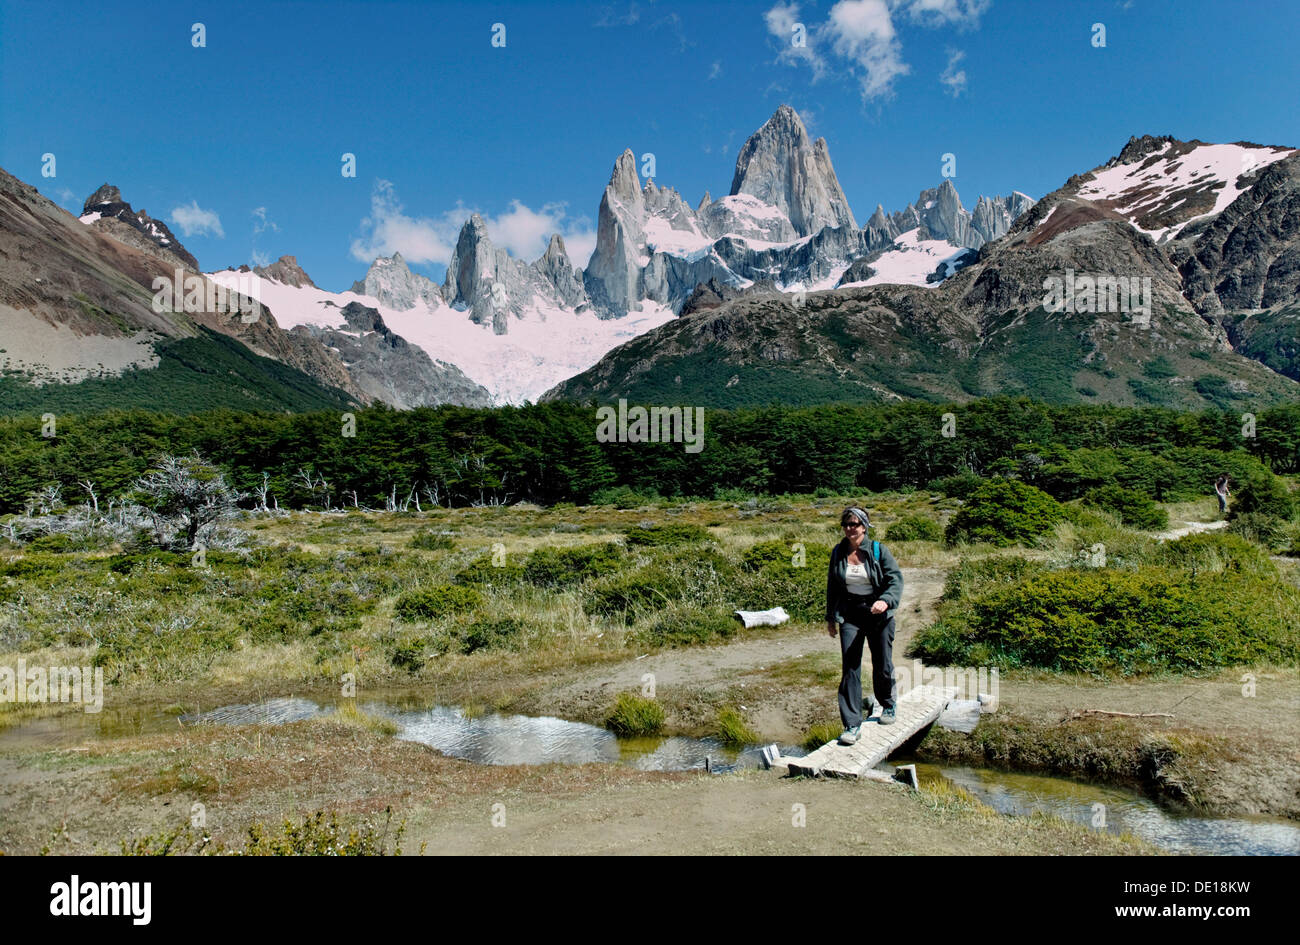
column 1118, row 811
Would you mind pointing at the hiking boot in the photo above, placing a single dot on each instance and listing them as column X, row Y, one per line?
column 887, row 716
column 850, row 735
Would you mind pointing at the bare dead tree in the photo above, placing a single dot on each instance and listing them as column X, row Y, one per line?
column 89, row 487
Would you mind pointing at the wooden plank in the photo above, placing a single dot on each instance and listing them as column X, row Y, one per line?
column 915, row 710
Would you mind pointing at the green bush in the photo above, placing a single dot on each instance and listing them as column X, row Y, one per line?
column 957, row 486
column 764, row 553
column 624, row 497
column 410, row 654
column 974, row 576
column 1134, row 509
column 564, row 567
column 1129, row 622
column 440, row 600
column 1273, row 533
column 704, row 578
column 674, row 533
column 1263, row 494
column 492, row 633
column 483, row 571
column 426, row 539
column 687, row 626
column 1004, row 512
column 915, row 528
column 1215, row 553
column 634, row 715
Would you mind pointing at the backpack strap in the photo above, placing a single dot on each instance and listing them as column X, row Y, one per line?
column 875, row 551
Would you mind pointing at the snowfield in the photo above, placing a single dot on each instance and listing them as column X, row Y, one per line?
column 548, row 345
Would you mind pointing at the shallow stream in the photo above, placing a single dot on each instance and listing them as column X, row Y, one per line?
column 490, row 738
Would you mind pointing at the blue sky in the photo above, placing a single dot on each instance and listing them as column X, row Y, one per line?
column 238, row 144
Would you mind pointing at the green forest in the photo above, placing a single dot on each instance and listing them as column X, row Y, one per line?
column 549, row 453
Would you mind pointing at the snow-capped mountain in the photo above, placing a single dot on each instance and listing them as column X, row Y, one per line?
column 107, row 211
column 785, row 222
column 546, row 342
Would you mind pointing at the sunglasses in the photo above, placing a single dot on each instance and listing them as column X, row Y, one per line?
column 850, row 524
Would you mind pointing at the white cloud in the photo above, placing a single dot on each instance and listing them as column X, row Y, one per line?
column 260, row 258
column 960, row 13
column 67, row 196
column 521, row 231
column 862, row 35
column 715, row 71
column 263, row 223
column 194, row 221
column 952, row 77
column 781, row 20
column 862, row 31
column 609, row 18
column 389, row 230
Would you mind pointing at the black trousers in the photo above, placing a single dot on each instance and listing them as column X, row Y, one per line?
column 877, row 632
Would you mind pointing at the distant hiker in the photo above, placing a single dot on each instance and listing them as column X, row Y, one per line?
column 863, row 586
column 1221, row 490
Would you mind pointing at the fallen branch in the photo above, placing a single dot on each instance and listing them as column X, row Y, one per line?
column 1083, row 713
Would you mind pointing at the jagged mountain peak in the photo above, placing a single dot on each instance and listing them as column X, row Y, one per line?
column 286, row 271
column 107, row 211
column 780, row 166
column 107, row 193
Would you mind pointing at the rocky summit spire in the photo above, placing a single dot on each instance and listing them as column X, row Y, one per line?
column 613, row 277
column 783, row 168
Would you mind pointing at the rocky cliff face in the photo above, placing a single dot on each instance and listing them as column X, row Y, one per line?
column 780, row 166
column 391, row 283
column 107, row 211
column 386, row 367
column 613, row 276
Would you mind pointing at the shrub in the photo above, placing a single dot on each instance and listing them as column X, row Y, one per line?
column 1265, row 494
column 1004, row 512
column 1273, row 533
column 437, row 601
column 563, row 567
column 765, row 553
column 483, row 570
column 623, row 497
column 1130, row 622
column 1215, row 553
column 635, row 715
column 697, row 577
column 676, row 533
column 688, row 626
column 957, row 486
column 974, row 576
column 409, row 654
column 492, row 633
column 915, row 528
column 1134, row 509
column 428, row 540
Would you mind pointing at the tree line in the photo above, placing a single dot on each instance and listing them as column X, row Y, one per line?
column 549, row 453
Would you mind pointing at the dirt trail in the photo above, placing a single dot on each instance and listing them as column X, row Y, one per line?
column 698, row 666
column 1190, row 528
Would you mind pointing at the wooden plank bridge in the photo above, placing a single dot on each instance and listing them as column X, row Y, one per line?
column 915, row 710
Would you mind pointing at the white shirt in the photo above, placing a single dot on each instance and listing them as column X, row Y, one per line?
column 856, row 579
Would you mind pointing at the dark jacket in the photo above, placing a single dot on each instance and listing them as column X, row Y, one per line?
column 886, row 579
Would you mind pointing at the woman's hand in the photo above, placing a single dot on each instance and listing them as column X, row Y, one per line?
column 879, row 607
column 832, row 627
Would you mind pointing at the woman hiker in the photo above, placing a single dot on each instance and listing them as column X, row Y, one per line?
column 863, row 587
column 1221, row 490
